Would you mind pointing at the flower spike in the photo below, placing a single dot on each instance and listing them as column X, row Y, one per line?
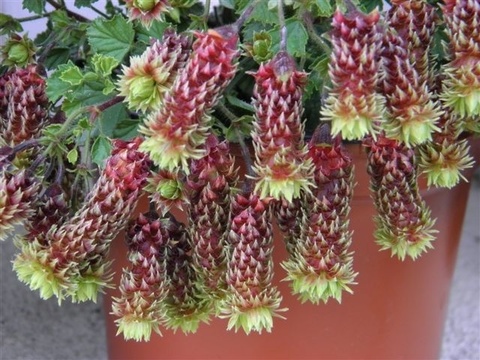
column 353, row 106
column 177, row 132
column 281, row 166
column 320, row 263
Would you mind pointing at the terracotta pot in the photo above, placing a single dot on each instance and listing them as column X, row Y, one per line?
column 397, row 309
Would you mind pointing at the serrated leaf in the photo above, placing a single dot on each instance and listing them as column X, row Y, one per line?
column 126, row 129
column 111, row 37
column 297, row 38
column 56, row 87
column 84, row 3
column 239, row 103
column 8, row 24
column 72, row 156
column 72, row 75
column 56, row 57
column 324, row 7
column 109, row 87
column 103, row 65
column 101, row 149
column 35, row 6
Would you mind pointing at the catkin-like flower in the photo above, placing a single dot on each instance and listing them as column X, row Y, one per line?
column 461, row 88
column 320, row 263
column 353, row 106
column 167, row 190
column 176, row 133
column 18, row 191
column 74, row 263
column 253, row 301
column 23, row 104
column 287, row 213
column 411, row 113
column 147, row 78
column 444, row 158
column 184, row 307
column 209, row 186
column 146, row 11
column 281, row 168
column 143, row 286
column 403, row 220
column 51, row 209
column 414, row 21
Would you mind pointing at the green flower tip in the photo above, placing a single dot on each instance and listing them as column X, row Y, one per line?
column 313, row 287
column 39, row 277
column 257, row 319
column 187, row 321
column 401, row 246
column 137, row 328
column 145, row 5
column 88, row 287
column 463, row 100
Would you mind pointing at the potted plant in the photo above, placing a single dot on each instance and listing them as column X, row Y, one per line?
column 181, row 145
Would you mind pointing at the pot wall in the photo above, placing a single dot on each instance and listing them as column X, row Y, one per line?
column 397, row 310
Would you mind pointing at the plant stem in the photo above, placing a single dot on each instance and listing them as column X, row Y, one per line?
column 246, row 14
column 206, row 13
column 308, row 21
column 283, row 26
column 33, row 17
column 70, row 13
column 243, row 147
column 101, row 13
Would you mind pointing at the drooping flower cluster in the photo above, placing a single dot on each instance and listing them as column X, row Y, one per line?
column 253, row 300
column 209, row 185
column 414, row 21
column 444, row 158
column 148, row 76
column 403, row 220
column 143, row 286
column 320, row 263
column 411, row 113
column 23, row 104
column 184, row 307
column 18, row 192
column 74, row 262
column 176, row 133
column 353, row 106
column 146, row 11
column 281, row 167
column 461, row 90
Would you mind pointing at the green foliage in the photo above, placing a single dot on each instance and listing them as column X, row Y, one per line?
column 8, row 25
column 35, row 6
column 111, row 37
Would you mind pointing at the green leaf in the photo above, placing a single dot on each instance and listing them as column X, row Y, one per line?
column 126, row 129
column 297, row 38
column 109, row 119
column 72, row 75
column 35, row 6
column 232, row 100
column 324, row 7
column 103, row 65
column 111, row 37
column 72, row 156
column 56, row 57
column 230, row 4
column 8, row 24
column 101, row 150
column 56, row 87
column 84, row 3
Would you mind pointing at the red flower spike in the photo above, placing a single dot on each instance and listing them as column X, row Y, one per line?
column 18, row 193
column 147, row 78
column 209, row 184
column 320, row 263
column 252, row 301
column 144, row 284
column 177, row 132
column 146, row 11
column 74, row 263
column 444, row 158
column 403, row 219
column 51, row 209
column 183, row 306
column 461, row 88
column 414, row 21
column 353, row 106
column 23, row 104
column 287, row 214
column 281, row 167
column 411, row 114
